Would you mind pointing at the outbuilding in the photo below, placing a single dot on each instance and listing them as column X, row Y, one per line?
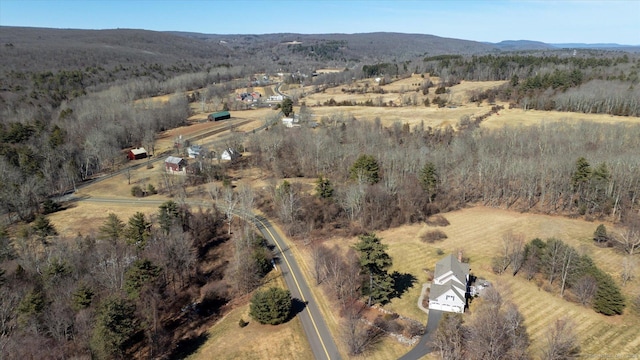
column 138, row 153
column 220, row 115
column 229, row 154
column 175, row 165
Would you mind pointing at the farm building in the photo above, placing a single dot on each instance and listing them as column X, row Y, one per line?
column 175, row 165
column 229, row 154
column 220, row 115
column 195, row 151
column 291, row 121
column 450, row 282
column 135, row 154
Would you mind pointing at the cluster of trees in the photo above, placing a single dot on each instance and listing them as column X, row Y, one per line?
column 102, row 295
column 530, row 169
column 361, row 272
column 562, row 268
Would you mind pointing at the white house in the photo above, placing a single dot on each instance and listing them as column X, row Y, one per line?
column 291, row 121
column 449, row 288
column 196, row 150
column 229, row 154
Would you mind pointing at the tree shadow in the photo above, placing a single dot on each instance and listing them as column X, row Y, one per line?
column 402, row 283
column 189, row 346
column 297, row 306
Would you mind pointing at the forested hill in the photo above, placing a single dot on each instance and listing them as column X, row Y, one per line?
column 44, row 49
column 379, row 46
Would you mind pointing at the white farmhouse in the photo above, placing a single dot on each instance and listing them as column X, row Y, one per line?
column 449, row 288
column 229, row 154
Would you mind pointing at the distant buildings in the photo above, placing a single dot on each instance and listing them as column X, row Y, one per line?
column 175, row 165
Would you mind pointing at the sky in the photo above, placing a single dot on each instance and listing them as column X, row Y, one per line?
column 563, row 21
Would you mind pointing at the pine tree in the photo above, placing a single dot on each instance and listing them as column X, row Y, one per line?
column 608, row 299
column 168, row 214
column 600, row 235
column 114, row 325
column 324, row 189
column 138, row 230
column 429, row 180
column 141, row 273
column 272, row 306
column 365, row 169
column 113, row 228
column 375, row 261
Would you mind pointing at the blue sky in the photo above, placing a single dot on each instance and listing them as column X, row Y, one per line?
column 585, row 21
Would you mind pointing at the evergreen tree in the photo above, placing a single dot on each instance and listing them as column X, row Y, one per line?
column 600, row 235
column 272, row 306
column 608, row 299
column 138, row 230
column 324, row 189
column 43, row 227
column 375, row 261
column 287, row 107
column 365, row 169
column 139, row 274
column 429, row 180
column 581, row 175
column 168, row 214
column 112, row 229
column 81, row 298
column 115, row 323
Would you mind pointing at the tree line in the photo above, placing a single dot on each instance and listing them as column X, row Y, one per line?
column 536, row 168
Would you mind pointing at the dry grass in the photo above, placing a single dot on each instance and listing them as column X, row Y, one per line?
column 227, row 340
column 478, row 231
column 519, row 117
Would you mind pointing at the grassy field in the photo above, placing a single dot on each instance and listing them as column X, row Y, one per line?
column 227, row 340
column 478, row 232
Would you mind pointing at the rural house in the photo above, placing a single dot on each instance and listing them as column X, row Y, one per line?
column 195, row 151
column 138, row 153
column 229, row 154
column 220, row 115
column 175, row 165
column 449, row 288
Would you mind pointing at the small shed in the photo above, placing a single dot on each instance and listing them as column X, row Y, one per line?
column 229, row 154
column 220, row 115
column 138, row 153
column 175, row 165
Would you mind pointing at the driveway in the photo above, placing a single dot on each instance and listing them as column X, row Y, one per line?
column 421, row 349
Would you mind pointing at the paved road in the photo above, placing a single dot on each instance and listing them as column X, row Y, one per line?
column 322, row 344
column 422, row 348
column 316, row 330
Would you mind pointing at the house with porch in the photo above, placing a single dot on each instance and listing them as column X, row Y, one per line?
column 450, row 285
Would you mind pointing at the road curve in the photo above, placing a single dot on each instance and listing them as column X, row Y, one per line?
column 316, row 330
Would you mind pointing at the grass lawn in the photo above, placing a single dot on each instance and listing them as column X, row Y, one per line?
column 478, row 232
column 227, row 340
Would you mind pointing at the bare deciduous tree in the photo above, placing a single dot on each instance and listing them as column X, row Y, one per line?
column 561, row 341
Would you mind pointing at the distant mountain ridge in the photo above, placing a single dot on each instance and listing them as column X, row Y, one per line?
column 26, row 48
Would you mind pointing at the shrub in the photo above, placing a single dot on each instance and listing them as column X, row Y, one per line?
column 137, row 191
column 433, row 236
column 151, row 189
column 242, row 323
column 272, row 306
column 439, row 252
column 437, row 220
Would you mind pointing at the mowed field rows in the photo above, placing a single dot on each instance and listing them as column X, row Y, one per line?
column 478, row 232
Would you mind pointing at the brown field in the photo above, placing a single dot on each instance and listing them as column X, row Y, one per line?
column 227, row 340
column 519, row 117
column 478, row 231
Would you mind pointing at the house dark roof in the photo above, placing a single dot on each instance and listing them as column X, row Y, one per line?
column 220, row 114
column 451, row 264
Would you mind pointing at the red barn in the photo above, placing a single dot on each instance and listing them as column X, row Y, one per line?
column 175, row 165
column 135, row 154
